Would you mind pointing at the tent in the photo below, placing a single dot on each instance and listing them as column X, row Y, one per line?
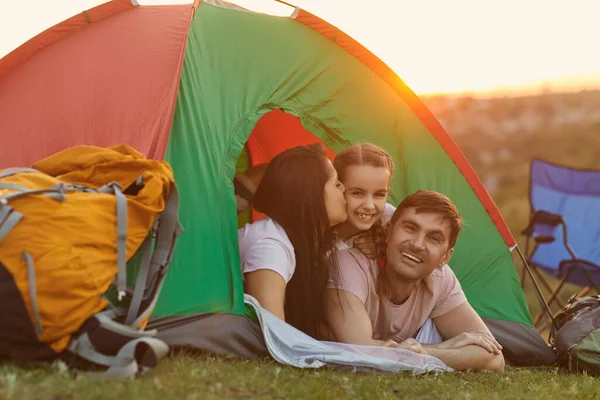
column 189, row 83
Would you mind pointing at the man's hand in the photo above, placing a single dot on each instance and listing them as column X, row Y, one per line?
column 407, row 344
column 478, row 337
column 412, row 345
column 470, row 344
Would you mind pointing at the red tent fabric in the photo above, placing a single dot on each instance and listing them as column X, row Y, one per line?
column 149, row 43
column 277, row 131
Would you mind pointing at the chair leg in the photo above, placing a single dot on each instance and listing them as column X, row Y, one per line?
column 548, row 287
column 583, row 292
column 592, row 283
column 538, row 319
column 545, row 283
column 554, row 295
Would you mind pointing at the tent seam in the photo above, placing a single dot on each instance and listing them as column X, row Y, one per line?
column 179, row 68
column 223, row 174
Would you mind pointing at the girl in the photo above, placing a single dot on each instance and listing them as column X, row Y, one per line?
column 366, row 172
column 284, row 256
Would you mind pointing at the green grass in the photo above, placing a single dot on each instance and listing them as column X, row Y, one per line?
column 201, row 376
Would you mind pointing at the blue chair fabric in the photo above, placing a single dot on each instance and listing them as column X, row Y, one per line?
column 573, row 195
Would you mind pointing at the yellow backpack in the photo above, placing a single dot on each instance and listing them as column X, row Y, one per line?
column 68, row 227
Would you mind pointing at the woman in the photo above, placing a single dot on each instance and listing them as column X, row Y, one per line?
column 284, row 256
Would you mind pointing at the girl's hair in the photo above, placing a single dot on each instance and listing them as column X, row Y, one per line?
column 362, row 154
column 292, row 194
column 368, row 154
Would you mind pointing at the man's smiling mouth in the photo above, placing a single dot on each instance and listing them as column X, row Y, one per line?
column 411, row 257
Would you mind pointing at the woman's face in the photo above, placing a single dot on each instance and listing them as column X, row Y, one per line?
column 335, row 203
column 366, row 194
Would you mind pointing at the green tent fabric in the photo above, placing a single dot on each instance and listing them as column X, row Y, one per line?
column 228, row 68
column 325, row 95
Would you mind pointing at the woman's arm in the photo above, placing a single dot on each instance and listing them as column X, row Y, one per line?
column 268, row 287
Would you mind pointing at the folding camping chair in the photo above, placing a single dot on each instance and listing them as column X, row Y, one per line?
column 565, row 228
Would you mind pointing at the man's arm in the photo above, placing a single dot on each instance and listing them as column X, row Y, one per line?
column 468, row 342
column 468, row 357
column 349, row 322
column 268, row 287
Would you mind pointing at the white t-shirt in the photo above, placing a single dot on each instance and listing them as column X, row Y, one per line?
column 388, row 211
column 265, row 245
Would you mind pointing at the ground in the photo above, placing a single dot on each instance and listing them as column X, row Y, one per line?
column 201, row 376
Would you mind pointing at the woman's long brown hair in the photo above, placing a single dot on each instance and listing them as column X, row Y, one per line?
column 292, row 194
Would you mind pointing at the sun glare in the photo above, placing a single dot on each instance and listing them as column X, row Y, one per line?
column 433, row 45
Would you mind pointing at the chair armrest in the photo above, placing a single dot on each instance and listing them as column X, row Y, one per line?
column 542, row 226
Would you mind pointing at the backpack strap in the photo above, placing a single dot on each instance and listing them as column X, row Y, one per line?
column 33, row 292
column 9, row 217
column 13, row 186
column 11, row 171
column 152, row 271
column 114, row 188
column 134, row 358
column 55, row 192
column 141, row 281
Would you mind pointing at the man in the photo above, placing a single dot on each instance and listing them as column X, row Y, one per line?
column 387, row 304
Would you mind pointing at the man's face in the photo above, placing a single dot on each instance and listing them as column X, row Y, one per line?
column 418, row 244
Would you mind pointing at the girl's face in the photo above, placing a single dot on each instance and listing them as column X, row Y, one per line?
column 366, row 195
column 335, row 203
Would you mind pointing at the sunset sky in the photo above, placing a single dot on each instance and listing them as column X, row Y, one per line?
column 434, row 46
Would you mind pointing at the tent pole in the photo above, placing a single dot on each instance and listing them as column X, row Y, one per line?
column 286, row 3
column 535, row 284
column 523, row 271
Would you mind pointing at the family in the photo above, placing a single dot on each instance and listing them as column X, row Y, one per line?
column 336, row 261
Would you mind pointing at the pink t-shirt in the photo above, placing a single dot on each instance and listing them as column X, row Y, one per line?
column 438, row 295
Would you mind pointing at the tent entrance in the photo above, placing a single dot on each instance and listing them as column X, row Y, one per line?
column 275, row 131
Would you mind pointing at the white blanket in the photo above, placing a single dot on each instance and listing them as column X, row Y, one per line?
column 288, row 345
